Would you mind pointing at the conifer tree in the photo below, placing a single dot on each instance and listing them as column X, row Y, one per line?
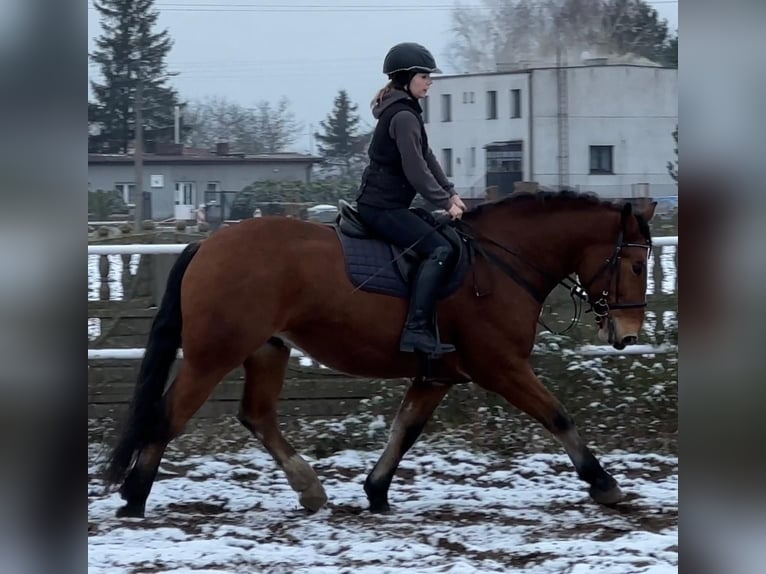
column 129, row 51
column 341, row 144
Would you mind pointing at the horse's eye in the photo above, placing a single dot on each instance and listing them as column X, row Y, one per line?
column 638, row 268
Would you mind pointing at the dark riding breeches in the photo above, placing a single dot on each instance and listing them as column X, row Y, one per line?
column 403, row 228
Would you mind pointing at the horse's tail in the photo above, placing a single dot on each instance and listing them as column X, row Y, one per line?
column 147, row 421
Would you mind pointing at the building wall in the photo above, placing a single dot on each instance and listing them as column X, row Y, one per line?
column 470, row 127
column 634, row 109
column 229, row 177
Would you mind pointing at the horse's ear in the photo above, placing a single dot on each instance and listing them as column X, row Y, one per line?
column 649, row 210
column 627, row 210
column 645, row 208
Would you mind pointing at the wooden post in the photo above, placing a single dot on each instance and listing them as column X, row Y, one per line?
column 103, row 270
column 125, row 275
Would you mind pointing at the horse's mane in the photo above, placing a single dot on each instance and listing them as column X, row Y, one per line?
column 565, row 197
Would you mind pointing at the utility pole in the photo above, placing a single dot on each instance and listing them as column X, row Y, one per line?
column 138, row 154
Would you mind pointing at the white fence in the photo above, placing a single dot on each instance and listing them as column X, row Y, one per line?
column 171, row 248
column 585, row 351
column 175, row 248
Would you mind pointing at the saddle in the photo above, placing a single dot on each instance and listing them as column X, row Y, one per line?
column 377, row 266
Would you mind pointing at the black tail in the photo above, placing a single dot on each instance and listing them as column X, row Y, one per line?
column 147, row 422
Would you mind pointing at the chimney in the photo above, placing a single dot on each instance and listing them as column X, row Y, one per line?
column 222, row 148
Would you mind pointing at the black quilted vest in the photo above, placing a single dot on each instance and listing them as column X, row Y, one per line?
column 383, row 183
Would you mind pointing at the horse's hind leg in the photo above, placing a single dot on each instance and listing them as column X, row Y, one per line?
column 185, row 396
column 520, row 386
column 264, row 376
column 416, row 408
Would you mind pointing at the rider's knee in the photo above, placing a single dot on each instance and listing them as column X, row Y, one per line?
column 442, row 253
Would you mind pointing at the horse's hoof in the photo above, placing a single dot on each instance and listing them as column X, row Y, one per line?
column 313, row 498
column 607, row 497
column 129, row 511
column 380, row 507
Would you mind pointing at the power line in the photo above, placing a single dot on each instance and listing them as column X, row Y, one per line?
column 296, row 9
column 340, row 6
column 319, row 8
column 322, row 8
column 217, row 64
column 297, row 6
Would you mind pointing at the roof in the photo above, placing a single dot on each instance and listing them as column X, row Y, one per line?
column 544, row 67
column 196, row 156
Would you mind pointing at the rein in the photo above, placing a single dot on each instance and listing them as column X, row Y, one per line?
column 577, row 291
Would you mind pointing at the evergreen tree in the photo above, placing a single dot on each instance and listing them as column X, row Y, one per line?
column 634, row 27
column 341, row 144
column 670, row 53
column 129, row 51
column 102, row 204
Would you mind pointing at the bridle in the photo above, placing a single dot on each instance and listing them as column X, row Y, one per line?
column 579, row 292
column 601, row 306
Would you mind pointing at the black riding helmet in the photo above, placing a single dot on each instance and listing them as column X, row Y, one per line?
column 409, row 57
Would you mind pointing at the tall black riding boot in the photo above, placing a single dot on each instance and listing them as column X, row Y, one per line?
column 421, row 332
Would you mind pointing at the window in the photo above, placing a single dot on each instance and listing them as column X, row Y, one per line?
column 128, row 192
column 492, row 105
column 472, row 156
column 515, row 103
column 601, row 159
column 447, row 161
column 509, row 162
column 505, row 157
column 446, row 108
column 213, row 186
column 424, row 105
column 470, row 97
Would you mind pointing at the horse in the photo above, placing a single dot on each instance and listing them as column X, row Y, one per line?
column 246, row 294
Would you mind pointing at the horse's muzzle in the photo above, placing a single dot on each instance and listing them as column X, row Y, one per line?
column 608, row 333
column 624, row 342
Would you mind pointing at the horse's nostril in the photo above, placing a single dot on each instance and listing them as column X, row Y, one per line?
column 629, row 340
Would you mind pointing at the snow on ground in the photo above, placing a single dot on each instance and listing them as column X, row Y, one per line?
column 453, row 510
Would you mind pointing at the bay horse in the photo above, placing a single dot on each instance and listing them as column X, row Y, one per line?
column 246, row 294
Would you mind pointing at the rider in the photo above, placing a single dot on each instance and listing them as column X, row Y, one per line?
column 402, row 165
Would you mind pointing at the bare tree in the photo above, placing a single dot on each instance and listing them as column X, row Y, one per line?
column 266, row 128
column 275, row 125
column 511, row 32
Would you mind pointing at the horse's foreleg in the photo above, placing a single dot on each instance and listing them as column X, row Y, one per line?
column 416, row 408
column 264, row 376
column 521, row 387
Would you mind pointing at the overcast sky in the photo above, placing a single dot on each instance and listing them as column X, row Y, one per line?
column 306, row 50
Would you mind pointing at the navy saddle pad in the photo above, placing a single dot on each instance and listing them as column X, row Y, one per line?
column 376, row 266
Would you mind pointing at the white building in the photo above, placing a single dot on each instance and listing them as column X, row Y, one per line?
column 602, row 128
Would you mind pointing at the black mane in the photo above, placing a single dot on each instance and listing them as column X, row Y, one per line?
column 586, row 198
